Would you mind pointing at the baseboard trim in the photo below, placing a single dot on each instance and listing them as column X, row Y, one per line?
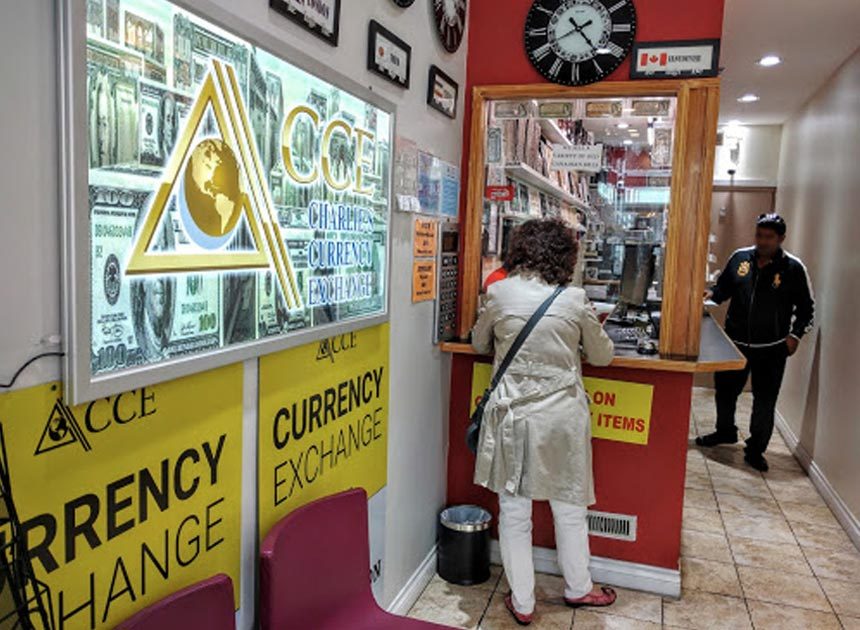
column 840, row 509
column 641, row 577
column 412, row 590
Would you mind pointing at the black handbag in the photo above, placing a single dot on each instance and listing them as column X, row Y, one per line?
column 474, row 430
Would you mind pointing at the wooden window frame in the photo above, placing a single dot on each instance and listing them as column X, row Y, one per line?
column 690, row 199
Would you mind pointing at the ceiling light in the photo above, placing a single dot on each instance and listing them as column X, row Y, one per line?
column 622, row 125
column 628, row 142
column 603, row 51
column 769, row 60
column 748, row 98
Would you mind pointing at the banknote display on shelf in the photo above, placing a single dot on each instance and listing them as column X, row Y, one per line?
column 233, row 197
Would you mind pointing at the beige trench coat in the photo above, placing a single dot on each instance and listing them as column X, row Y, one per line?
column 535, row 437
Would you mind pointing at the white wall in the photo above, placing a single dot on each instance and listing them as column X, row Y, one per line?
column 758, row 158
column 30, row 244
column 818, row 193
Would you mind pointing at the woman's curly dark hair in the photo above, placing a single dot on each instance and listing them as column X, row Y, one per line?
column 546, row 247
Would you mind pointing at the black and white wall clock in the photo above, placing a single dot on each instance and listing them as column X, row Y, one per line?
column 450, row 19
column 404, row 3
column 577, row 42
column 388, row 55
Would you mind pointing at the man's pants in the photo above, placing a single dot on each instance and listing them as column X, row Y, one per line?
column 767, row 366
column 515, row 539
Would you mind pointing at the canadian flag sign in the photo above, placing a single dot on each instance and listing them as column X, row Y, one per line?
column 698, row 58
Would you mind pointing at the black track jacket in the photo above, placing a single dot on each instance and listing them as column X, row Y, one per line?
column 768, row 304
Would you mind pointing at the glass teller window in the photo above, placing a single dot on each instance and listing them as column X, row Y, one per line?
column 602, row 165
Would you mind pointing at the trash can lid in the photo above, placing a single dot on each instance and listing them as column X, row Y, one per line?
column 466, row 518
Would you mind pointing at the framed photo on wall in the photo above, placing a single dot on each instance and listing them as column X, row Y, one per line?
column 388, row 55
column 321, row 17
column 442, row 92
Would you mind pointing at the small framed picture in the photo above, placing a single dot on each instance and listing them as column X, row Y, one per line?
column 442, row 92
column 321, row 17
column 388, row 55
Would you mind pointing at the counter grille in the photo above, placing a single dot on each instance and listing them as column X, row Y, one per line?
column 608, row 525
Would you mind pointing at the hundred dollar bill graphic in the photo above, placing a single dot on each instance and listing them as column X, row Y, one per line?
column 161, row 111
column 147, row 320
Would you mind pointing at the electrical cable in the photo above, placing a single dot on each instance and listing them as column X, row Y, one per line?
column 24, row 367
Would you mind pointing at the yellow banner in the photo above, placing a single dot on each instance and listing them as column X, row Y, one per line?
column 323, row 421
column 620, row 411
column 129, row 498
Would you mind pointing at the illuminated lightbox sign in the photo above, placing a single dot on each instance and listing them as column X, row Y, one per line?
column 234, row 199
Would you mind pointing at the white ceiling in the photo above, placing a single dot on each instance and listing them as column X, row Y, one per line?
column 813, row 37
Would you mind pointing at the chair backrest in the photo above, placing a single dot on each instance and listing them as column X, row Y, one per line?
column 316, row 562
column 207, row 604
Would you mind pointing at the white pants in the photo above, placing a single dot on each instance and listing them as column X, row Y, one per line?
column 515, row 539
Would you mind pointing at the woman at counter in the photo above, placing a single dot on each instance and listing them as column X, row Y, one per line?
column 535, row 441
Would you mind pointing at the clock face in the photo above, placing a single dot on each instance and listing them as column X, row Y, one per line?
column 576, row 42
column 450, row 22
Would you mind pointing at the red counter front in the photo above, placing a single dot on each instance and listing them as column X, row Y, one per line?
column 646, row 481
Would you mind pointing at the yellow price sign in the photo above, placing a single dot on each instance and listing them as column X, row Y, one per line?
column 127, row 499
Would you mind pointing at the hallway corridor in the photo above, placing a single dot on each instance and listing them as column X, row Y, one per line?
column 759, row 551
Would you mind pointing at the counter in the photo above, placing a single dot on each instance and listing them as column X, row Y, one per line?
column 643, row 481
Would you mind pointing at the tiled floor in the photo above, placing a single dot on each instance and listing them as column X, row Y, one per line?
column 758, row 551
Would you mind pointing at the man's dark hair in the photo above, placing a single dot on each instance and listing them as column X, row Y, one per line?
column 772, row 221
column 546, row 247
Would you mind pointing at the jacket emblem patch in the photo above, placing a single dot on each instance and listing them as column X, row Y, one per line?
column 777, row 280
column 744, row 268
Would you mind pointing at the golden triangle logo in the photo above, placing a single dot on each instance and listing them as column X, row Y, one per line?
column 61, row 429
column 217, row 180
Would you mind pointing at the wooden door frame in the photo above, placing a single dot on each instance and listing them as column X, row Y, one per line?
column 685, row 261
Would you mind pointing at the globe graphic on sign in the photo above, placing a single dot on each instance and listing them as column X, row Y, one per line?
column 212, row 191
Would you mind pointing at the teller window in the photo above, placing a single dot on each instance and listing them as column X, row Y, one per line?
column 602, row 165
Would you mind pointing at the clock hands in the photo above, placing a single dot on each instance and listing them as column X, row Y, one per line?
column 579, row 29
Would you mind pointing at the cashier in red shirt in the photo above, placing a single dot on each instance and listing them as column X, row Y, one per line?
column 499, row 274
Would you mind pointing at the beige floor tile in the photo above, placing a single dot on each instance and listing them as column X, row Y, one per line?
column 700, row 520
column 803, row 513
column 767, row 528
column 549, row 588
column 546, row 616
column 705, row 546
column 748, row 486
column 698, row 481
column 703, row 499
column 769, row 616
column 836, row 565
column 778, row 587
column 585, row 619
column 751, row 506
column 706, row 611
column 697, row 467
column 816, row 536
column 796, row 491
column 645, row 607
column 842, row 595
column 785, row 557
column 459, row 606
column 781, row 460
column 710, row 576
column 850, row 623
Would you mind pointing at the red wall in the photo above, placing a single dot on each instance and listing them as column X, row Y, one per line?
column 497, row 53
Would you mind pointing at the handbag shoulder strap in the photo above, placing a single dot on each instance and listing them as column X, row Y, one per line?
column 521, row 337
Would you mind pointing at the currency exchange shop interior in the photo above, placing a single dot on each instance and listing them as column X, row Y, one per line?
column 263, row 261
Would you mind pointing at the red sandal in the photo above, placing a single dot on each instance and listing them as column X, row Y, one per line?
column 607, row 598
column 519, row 617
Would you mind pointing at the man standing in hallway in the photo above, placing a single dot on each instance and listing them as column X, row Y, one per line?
column 771, row 308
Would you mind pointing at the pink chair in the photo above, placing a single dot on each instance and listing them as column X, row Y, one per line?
column 207, row 604
column 315, row 571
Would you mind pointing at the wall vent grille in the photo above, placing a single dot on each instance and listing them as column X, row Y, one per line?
column 608, row 525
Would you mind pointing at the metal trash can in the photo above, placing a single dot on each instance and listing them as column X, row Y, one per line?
column 464, row 545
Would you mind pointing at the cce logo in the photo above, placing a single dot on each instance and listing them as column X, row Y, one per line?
column 63, row 428
column 331, row 347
